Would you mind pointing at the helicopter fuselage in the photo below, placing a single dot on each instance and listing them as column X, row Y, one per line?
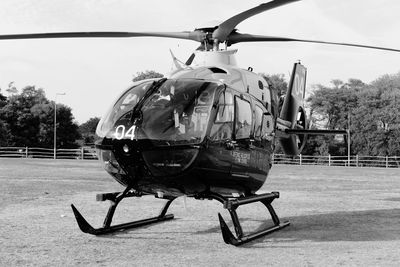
column 204, row 129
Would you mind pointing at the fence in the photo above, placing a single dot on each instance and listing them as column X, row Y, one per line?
column 90, row 153
column 354, row 161
column 37, row 152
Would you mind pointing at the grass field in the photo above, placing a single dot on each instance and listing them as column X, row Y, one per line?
column 339, row 216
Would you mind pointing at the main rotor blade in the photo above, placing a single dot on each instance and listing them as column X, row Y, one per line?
column 226, row 27
column 239, row 38
column 193, row 35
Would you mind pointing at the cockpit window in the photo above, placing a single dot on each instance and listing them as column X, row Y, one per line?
column 178, row 112
column 122, row 107
column 170, row 112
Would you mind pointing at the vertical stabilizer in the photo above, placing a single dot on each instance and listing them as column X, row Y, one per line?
column 292, row 114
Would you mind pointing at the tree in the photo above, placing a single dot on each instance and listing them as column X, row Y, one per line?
column 337, row 83
column 11, row 89
column 88, row 130
column 372, row 111
column 29, row 117
column 3, row 99
column 376, row 124
column 330, row 108
column 148, row 74
column 354, row 84
column 4, row 134
column 17, row 114
column 277, row 82
column 67, row 129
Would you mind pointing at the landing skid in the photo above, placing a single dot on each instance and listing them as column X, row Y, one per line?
column 115, row 198
column 232, row 204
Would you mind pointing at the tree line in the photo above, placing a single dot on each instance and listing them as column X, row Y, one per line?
column 27, row 119
column 371, row 111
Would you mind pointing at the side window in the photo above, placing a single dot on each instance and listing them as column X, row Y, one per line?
column 267, row 125
column 243, row 118
column 258, row 123
column 225, row 108
column 223, row 125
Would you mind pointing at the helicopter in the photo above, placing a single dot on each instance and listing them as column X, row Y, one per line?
column 206, row 131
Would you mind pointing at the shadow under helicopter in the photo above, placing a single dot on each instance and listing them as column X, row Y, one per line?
column 368, row 225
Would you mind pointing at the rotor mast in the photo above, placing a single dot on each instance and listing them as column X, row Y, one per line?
column 216, row 45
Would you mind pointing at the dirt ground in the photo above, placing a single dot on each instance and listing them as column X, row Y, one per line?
column 339, row 216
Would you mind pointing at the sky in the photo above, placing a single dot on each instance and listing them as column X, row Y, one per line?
column 92, row 73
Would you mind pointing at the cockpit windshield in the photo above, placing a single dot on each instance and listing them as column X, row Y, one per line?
column 175, row 112
column 178, row 112
column 122, row 108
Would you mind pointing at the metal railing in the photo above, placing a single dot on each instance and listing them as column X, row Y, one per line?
column 328, row 160
column 48, row 153
column 90, row 153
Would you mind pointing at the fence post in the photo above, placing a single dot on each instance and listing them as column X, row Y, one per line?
column 26, row 152
column 387, row 161
column 300, row 159
column 82, row 153
column 357, row 160
column 329, row 159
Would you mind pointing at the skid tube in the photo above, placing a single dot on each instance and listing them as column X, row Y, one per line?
column 115, row 199
column 232, row 204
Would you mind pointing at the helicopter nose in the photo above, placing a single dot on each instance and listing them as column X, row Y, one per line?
column 112, row 166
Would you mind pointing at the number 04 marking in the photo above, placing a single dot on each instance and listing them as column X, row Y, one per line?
column 120, row 132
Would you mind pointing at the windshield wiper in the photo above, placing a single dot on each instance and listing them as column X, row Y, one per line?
column 137, row 114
